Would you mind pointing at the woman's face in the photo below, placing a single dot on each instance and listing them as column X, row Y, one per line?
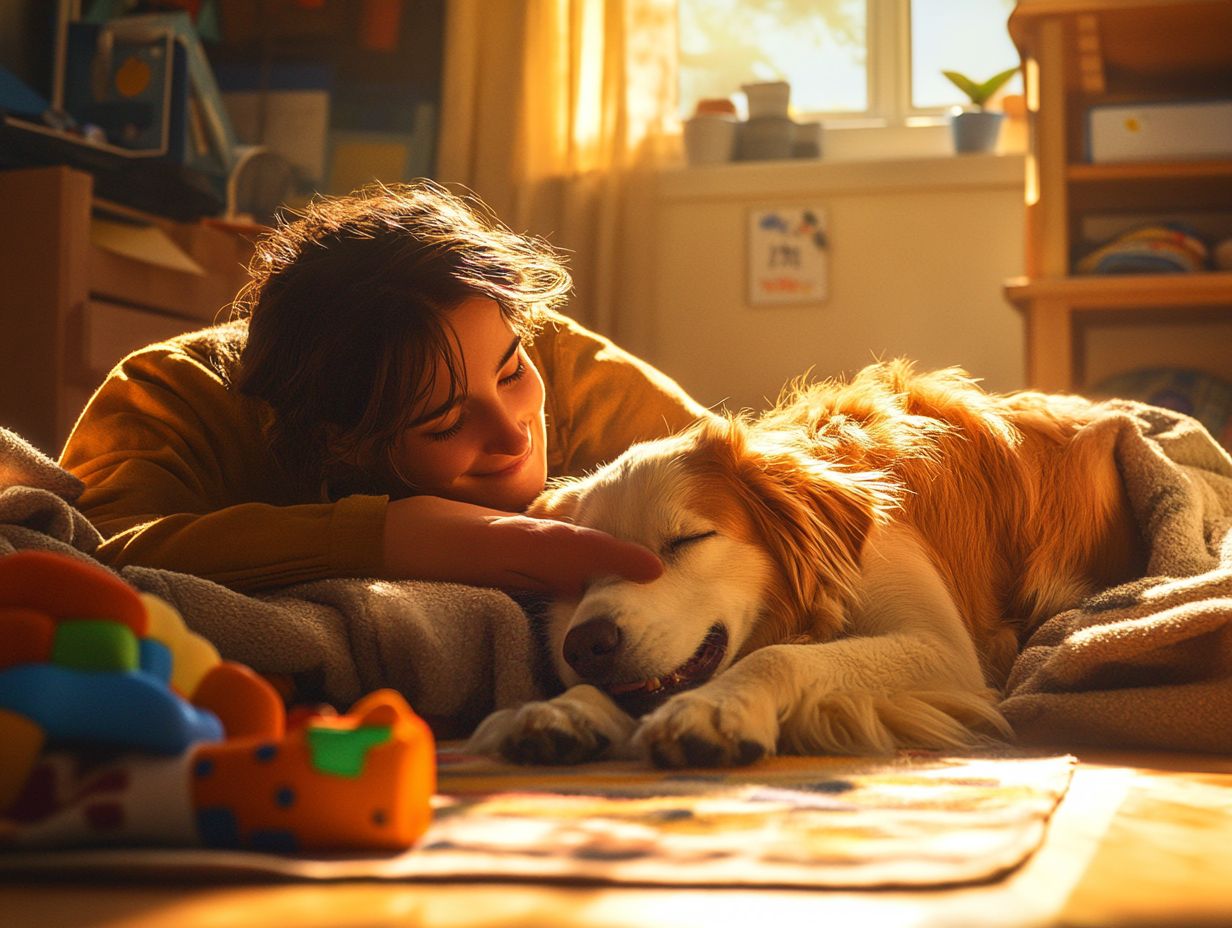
column 489, row 448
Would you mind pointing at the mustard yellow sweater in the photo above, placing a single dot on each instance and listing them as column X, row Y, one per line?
column 178, row 475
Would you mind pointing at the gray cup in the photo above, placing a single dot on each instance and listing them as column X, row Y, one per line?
column 767, row 138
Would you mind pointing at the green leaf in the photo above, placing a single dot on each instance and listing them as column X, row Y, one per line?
column 995, row 83
column 963, row 83
column 979, row 94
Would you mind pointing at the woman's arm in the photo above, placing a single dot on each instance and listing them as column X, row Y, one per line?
column 178, row 476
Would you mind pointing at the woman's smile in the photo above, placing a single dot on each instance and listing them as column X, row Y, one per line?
column 508, row 470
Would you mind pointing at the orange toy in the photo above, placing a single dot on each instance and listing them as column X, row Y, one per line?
column 361, row 780
column 66, row 588
column 246, row 704
column 28, row 635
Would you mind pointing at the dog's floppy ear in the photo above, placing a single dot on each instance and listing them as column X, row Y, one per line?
column 811, row 515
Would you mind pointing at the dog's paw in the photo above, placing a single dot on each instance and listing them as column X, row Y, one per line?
column 545, row 733
column 709, row 729
column 579, row 725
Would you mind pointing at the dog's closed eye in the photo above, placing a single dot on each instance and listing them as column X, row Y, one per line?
column 673, row 546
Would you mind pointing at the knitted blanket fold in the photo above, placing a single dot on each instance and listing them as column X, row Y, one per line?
column 1147, row 664
column 456, row 652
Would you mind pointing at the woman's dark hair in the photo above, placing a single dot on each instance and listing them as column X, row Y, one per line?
column 348, row 313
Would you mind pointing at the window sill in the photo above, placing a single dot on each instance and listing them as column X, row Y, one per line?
column 739, row 179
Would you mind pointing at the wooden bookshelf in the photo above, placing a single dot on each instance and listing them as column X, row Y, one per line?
column 1083, row 53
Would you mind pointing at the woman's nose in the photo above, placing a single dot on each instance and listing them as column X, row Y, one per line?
column 511, row 435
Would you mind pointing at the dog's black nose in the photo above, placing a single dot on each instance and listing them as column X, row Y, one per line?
column 591, row 648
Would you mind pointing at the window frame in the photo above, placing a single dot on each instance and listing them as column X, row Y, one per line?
column 889, row 74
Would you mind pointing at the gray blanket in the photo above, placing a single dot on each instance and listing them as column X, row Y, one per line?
column 1147, row 664
column 455, row 652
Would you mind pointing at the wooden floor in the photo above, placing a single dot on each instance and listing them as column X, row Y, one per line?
column 1141, row 839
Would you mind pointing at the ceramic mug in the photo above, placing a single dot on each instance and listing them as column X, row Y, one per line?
column 767, row 99
column 709, row 138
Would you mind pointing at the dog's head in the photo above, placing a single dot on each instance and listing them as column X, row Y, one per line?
column 760, row 545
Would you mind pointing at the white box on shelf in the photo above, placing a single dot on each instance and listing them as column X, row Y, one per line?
column 1183, row 131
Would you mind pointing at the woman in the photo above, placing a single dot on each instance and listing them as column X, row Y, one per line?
column 398, row 386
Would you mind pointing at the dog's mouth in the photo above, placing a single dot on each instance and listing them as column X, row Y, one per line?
column 638, row 698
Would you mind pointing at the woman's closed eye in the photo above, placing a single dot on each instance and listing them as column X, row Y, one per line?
column 505, row 380
column 446, row 434
column 519, row 371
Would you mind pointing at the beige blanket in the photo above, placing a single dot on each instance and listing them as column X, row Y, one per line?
column 1147, row 664
column 455, row 652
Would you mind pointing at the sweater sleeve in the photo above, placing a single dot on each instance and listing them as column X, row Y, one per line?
column 178, row 476
column 602, row 399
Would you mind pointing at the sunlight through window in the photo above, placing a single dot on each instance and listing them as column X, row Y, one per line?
column 968, row 36
column 843, row 57
column 819, row 46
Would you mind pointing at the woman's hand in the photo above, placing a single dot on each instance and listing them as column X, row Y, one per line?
column 430, row 538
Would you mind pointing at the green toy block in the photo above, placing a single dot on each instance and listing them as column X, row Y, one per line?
column 342, row 752
column 92, row 644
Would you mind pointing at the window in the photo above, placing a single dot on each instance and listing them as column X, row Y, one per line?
column 958, row 35
column 859, row 61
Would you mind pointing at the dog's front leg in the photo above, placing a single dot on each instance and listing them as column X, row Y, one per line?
column 908, row 675
column 733, row 719
column 851, row 696
column 579, row 725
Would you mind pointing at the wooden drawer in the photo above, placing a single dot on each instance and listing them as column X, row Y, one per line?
column 205, row 294
column 110, row 331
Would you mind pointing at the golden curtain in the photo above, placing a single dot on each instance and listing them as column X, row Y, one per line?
column 555, row 112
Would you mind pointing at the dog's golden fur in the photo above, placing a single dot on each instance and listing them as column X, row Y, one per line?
column 852, row 571
column 1022, row 515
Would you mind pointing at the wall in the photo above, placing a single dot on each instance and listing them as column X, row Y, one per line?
column 918, row 253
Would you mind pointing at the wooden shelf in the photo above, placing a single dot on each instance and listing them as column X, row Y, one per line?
column 1125, row 291
column 1148, row 170
column 1164, row 187
column 1134, row 45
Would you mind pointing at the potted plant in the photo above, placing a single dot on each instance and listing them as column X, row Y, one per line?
column 975, row 128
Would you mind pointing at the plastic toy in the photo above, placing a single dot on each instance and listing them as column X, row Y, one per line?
column 87, row 663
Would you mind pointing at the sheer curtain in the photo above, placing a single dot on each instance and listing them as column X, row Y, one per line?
column 554, row 113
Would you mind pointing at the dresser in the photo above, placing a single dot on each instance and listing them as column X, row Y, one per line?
column 83, row 282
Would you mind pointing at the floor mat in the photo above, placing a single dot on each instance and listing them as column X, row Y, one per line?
column 917, row 820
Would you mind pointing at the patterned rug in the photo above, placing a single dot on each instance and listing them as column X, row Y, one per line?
column 917, row 820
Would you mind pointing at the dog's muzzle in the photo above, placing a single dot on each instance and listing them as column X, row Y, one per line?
column 592, row 649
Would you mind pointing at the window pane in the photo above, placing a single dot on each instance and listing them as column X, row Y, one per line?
column 968, row 36
column 819, row 46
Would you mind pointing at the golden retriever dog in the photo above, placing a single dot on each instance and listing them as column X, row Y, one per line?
column 851, row 572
